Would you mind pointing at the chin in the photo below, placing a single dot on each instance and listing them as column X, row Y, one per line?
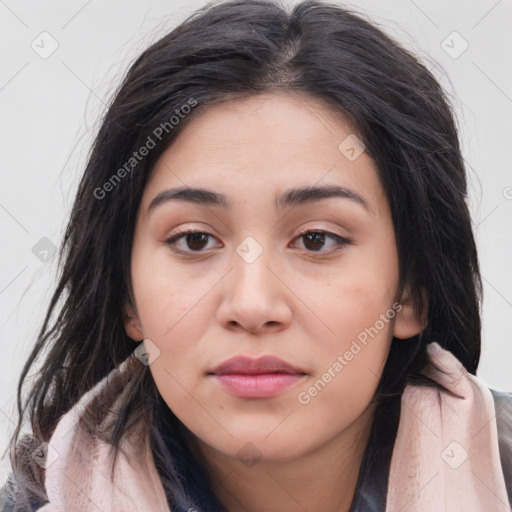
column 251, row 450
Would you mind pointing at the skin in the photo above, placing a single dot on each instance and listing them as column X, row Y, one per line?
column 302, row 305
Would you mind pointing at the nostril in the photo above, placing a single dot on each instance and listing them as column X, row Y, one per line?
column 233, row 324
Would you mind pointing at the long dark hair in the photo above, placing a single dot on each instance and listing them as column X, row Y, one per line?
column 228, row 51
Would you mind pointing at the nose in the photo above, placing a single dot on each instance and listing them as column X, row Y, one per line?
column 254, row 298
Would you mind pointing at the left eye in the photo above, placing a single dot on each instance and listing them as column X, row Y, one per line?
column 314, row 241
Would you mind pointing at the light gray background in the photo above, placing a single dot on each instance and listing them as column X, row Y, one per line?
column 51, row 107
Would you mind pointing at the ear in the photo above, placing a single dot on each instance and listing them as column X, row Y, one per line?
column 408, row 322
column 132, row 324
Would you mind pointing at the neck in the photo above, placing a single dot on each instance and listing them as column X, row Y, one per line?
column 321, row 480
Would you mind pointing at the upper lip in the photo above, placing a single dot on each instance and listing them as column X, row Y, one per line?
column 251, row 366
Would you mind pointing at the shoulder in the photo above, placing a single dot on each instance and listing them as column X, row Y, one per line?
column 26, row 488
column 23, row 490
column 503, row 408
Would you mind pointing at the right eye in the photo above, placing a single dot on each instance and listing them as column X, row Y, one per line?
column 189, row 241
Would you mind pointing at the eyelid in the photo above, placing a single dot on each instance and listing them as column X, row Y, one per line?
column 309, row 229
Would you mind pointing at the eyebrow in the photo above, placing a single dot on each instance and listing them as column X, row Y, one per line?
column 289, row 198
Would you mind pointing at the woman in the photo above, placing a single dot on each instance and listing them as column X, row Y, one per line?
column 274, row 210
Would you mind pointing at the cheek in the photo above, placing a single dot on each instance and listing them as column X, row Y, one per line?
column 354, row 301
column 358, row 305
column 168, row 295
column 351, row 360
column 175, row 311
column 349, row 363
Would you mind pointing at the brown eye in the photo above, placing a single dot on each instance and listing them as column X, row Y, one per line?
column 196, row 241
column 189, row 241
column 315, row 241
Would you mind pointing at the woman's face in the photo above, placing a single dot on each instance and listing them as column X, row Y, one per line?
column 251, row 283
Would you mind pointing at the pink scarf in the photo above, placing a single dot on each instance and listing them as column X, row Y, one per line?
column 445, row 457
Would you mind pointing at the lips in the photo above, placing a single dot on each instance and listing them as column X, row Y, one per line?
column 264, row 377
column 248, row 366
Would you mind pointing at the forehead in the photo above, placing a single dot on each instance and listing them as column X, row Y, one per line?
column 264, row 144
column 270, row 119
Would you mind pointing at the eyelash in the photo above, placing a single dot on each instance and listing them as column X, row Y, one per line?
column 341, row 242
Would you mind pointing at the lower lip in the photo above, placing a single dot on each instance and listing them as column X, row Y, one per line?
column 257, row 386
